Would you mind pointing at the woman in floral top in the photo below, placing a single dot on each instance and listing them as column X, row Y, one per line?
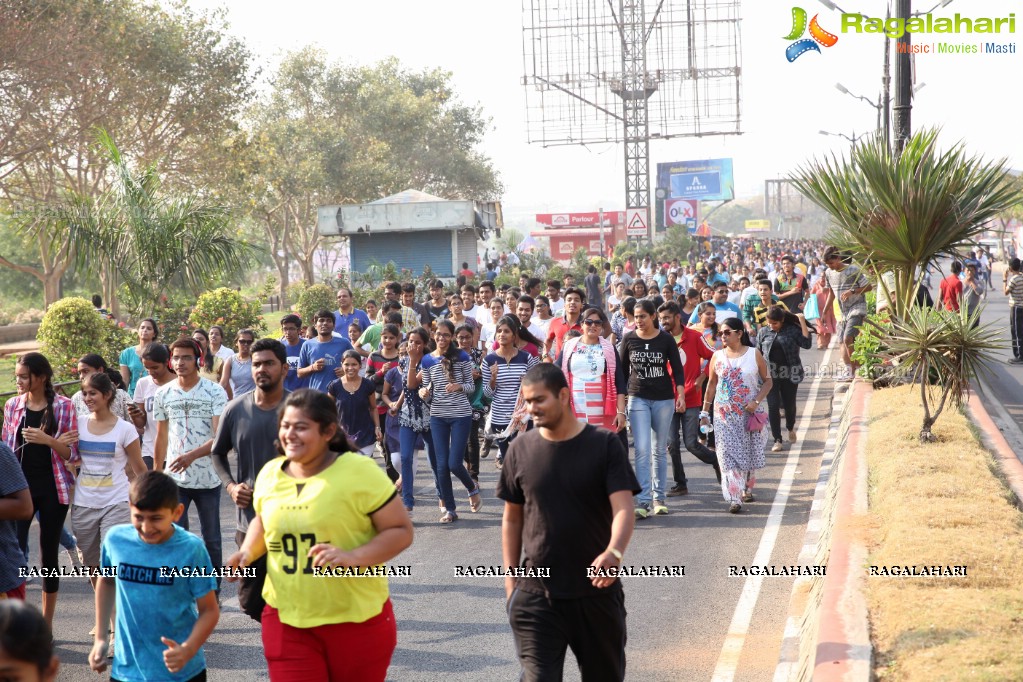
column 739, row 380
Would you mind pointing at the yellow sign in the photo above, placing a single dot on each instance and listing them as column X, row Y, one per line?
column 758, row 225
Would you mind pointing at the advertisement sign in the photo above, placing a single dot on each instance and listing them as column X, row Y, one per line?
column 758, row 225
column 682, row 212
column 705, row 179
column 636, row 222
column 611, row 219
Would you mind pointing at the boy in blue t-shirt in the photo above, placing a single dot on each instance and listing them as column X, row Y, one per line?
column 319, row 361
column 291, row 326
column 165, row 612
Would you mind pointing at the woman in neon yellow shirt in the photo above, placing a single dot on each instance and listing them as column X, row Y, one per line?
column 324, row 510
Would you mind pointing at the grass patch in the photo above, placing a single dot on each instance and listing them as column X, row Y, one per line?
column 273, row 322
column 941, row 504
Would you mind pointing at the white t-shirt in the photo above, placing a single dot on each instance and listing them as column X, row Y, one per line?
column 557, row 306
column 475, row 312
column 102, row 481
column 225, row 353
column 145, row 392
column 189, row 416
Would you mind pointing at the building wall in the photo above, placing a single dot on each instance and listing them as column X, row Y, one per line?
column 410, row 250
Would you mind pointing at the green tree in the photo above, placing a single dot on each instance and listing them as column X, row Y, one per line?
column 335, row 133
column 167, row 83
column 896, row 214
column 151, row 241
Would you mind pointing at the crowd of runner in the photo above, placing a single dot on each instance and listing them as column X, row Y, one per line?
column 700, row 353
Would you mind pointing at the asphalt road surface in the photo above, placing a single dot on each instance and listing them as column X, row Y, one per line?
column 455, row 628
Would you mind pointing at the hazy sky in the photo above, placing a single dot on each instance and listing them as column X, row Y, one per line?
column 974, row 97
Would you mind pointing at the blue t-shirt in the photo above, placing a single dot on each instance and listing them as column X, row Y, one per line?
column 152, row 604
column 293, row 382
column 331, row 352
column 342, row 322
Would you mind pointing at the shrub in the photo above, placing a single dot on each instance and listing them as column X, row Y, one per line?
column 70, row 329
column 227, row 308
column 315, row 298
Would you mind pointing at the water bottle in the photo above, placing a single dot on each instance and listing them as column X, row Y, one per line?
column 706, row 428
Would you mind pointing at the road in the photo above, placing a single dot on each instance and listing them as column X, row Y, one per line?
column 1001, row 389
column 455, row 628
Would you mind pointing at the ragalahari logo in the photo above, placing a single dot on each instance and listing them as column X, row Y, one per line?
column 817, row 36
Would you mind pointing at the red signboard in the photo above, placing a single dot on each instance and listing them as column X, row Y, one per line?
column 611, row 219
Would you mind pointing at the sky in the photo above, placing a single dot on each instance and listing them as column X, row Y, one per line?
column 784, row 105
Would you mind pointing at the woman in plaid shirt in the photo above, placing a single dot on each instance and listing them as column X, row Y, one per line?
column 40, row 426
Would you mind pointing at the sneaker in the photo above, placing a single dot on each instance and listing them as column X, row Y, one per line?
column 499, row 463
column 660, row 509
column 748, row 497
column 678, row 490
column 642, row 511
column 792, row 435
column 735, row 508
column 777, row 447
column 1016, row 361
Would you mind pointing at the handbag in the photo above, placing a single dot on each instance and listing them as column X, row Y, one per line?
column 756, row 421
column 811, row 311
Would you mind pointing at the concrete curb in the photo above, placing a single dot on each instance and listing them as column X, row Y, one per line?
column 827, row 634
column 992, row 438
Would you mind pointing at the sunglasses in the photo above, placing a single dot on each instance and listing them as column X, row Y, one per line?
column 726, row 332
column 244, row 343
column 591, row 323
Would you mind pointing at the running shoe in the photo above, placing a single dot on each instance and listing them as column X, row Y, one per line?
column 678, row 490
column 777, row 447
column 642, row 511
column 660, row 509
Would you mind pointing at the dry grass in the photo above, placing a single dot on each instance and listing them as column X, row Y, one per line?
column 940, row 504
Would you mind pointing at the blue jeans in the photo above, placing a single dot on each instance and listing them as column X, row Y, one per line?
column 450, row 437
column 207, row 503
column 407, row 442
column 645, row 415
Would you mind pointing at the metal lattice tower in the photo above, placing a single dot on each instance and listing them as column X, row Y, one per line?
column 601, row 71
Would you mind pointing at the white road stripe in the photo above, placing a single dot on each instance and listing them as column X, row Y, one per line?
column 728, row 660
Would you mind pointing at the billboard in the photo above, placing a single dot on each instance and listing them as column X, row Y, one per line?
column 682, row 212
column 758, row 225
column 705, row 179
column 611, row 218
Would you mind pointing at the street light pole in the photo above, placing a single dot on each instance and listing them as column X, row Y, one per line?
column 886, row 84
column 903, row 80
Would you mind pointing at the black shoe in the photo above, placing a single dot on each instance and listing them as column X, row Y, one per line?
column 735, row 508
column 499, row 462
column 1016, row 361
column 678, row 490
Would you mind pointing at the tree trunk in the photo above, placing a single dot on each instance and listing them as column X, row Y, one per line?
column 51, row 288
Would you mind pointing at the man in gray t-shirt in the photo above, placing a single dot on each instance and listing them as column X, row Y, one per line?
column 847, row 284
column 249, row 427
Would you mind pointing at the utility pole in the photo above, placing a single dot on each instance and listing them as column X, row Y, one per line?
column 886, row 87
column 903, row 80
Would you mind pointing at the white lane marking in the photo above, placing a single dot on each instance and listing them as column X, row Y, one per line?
column 728, row 660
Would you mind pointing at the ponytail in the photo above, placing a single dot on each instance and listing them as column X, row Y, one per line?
column 39, row 366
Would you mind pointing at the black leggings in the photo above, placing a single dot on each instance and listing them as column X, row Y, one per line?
column 51, row 520
column 781, row 397
column 472, row 451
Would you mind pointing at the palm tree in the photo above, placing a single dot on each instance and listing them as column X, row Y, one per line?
column 150, row 243
column 898, row 214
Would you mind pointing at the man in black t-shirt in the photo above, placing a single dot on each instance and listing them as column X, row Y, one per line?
column 568, row 488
